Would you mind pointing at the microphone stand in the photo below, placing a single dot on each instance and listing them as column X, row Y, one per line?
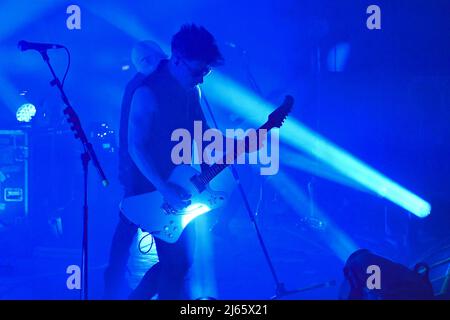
column 279, row 285
column 86, row 156
column 327, row 284
column 280, row 288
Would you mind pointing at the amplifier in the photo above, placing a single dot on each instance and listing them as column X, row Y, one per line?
column 13, row 177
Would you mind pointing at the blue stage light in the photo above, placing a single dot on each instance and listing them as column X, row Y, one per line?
column 26, row 112
column 326, row 230
column 226, row 93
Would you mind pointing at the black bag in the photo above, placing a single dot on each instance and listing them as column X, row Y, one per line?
column 397, row 282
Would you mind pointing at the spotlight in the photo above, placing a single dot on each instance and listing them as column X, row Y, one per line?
column 25, row 112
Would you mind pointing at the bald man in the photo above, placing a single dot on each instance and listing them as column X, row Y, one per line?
column 145, row 57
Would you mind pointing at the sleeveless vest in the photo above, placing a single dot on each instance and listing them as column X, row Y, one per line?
column 175, row 108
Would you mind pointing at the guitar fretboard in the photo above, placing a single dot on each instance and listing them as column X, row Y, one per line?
column 210, row 173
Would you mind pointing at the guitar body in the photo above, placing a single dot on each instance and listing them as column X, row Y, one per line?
column 152, row 214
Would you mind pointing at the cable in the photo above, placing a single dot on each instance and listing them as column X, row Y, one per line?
column 68, row 66
column 151, row 245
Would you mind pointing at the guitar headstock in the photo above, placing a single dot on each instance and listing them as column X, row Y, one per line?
column 277, row 117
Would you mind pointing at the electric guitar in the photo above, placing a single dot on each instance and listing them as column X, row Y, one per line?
column 153, row 214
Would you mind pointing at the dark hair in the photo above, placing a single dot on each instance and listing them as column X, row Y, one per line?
column 196, row 43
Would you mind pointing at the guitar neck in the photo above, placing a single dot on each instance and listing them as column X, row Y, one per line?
column 210, row 173
column 275, row 119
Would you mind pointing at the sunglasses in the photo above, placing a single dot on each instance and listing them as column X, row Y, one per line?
column 203, row 72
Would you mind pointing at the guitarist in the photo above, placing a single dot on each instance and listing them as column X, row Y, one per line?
column 166, row 100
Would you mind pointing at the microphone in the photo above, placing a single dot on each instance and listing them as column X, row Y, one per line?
column 25, row 45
